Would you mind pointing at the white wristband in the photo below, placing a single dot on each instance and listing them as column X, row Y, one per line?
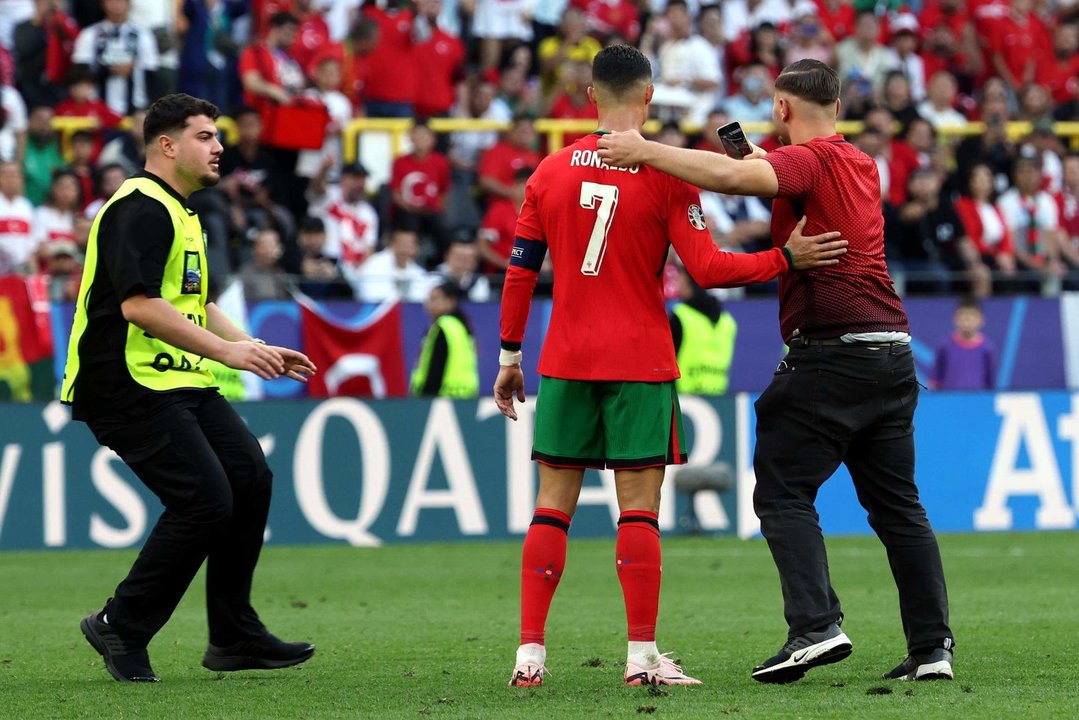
column 509, row 358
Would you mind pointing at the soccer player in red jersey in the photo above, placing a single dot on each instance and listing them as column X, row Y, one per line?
column 606, row 396
column 853, row 399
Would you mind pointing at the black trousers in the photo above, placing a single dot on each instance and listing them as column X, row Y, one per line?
column 196, row 454
column 854, row 405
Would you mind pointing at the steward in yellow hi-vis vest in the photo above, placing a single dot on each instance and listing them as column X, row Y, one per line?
column 137, row 375
column 182, row 281
column 705, row 351
column 704, row 335
column 448, row 365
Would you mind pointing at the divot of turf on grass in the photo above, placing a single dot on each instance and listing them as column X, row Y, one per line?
column 879, row 690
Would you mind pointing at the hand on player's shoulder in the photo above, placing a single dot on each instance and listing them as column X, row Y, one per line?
column 622, row 149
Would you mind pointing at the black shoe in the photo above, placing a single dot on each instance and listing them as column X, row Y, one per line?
column 125, row 662
column 262, row 653
column 802, row 653
column 932, row 664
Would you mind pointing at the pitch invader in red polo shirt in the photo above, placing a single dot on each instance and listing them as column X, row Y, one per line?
column 845, row 393
column 606, row 395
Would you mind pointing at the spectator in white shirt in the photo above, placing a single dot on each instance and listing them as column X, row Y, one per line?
column 122, row 56
column 16, row 222
column 753, row 102
column 327, row 80
column 462, row 267
column 393, row 273
column 904, row 29
column 740, row 16
column 939, row 105
column 54, row 220
column 13, row 133
column 351, row 222
column 863, row 54
column 1033, row 218
column 687, row 66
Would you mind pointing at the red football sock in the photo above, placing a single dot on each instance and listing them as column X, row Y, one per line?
column 637, row 558
column 542, row 562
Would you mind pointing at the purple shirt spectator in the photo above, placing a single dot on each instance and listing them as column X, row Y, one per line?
column 965, row 364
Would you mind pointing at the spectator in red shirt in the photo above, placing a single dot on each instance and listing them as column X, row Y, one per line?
column 1061, row 74
column 837, row 17
column 442, row 57
column 901, row 159
column 513, row 152
column 268, row 72
column 82, row 163
column 497, row 231
column 984, row 223
column 612, row 17
column 1018, row 44
column 362, row 40
column 419, row 185
column 1068, row 199
column 391, row 87
column 572, row 103
column 312, row 35
column 82, row 102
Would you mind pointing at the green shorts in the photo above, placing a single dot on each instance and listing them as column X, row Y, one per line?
column 617, row 425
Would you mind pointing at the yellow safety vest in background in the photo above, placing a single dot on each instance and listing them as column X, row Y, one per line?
column 153, row 363
column 704, row 357
column 461, row 379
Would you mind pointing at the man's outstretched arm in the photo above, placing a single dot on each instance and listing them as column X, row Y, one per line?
column 704, row 169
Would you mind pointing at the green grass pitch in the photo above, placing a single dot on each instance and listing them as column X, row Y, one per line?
column 429, row 631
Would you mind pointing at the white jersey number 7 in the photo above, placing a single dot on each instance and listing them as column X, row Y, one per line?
column 597, row 243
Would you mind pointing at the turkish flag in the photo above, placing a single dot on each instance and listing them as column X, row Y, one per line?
column 364, row 361
column 20, row 340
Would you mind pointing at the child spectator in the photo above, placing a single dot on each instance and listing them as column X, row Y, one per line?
column 82, row 163
column 82, row 102
column 419, row 185
column 967, row 360
column 327, row 90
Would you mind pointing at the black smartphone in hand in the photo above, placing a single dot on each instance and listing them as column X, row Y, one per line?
column 734, row 140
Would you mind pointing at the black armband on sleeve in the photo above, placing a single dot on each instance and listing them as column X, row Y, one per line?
column 528, row 254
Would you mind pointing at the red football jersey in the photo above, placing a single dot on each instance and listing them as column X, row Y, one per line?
column 423, row 182
column 608, row 232
column 837, row 187
column 441, row 59
column 393, row 63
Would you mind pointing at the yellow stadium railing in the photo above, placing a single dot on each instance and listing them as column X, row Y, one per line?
column 68, row 126
column 554, row 130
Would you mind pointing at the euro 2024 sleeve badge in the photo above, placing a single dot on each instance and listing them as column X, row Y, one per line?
column 696, row 217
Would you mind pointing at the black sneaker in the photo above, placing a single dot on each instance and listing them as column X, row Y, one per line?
column 802, row 653
column 932, row 664
column 263, row 653
column 124, row 662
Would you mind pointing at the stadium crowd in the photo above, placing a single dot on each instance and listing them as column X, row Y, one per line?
column 982, row 212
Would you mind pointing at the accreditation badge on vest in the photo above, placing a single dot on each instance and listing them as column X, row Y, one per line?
column 191, row 283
